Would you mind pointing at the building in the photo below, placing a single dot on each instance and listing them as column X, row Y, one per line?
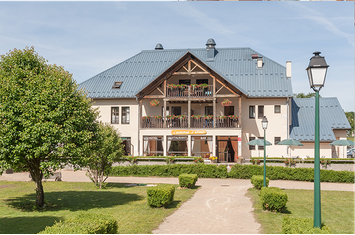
column 204, row 102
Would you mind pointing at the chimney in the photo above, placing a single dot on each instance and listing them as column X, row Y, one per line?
column 260, row 62
column 288, row 69
column 211, row 50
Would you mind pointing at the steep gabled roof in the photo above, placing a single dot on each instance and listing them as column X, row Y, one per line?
column 331, row 116
column 233, row 64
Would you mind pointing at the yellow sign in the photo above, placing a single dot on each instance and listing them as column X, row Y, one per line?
column 188, row 132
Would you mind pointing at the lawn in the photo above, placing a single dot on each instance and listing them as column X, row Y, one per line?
column 337, row 210
column 65, row 199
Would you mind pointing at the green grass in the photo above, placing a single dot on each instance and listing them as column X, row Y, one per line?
column 337, row 210
column 65, row 199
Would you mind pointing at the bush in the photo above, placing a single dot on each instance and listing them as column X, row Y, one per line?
column 84, row 223
column 161, row 195
column 187, row 180
column 273, row 199
column 258, row 181
column 301, row 226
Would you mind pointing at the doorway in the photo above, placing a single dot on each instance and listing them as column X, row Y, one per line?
column 227, row 148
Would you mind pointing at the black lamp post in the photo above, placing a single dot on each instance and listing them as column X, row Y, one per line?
column 264, row 123
column 317, row 70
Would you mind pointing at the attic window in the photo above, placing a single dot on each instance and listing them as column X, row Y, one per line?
column 116, row 85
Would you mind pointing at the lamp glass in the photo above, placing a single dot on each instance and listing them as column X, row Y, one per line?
column 264, row 123
column 318, row 76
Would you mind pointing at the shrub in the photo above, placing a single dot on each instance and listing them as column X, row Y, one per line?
column 161, row 195
column 187, row 180
column 273, row 199
column 258, row 181
column 301, row 226
column 84, row 223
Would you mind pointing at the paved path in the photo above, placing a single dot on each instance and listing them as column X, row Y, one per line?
column 218, row 207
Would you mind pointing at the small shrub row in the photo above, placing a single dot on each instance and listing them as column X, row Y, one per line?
column 302, row 226
column 237, row 172
column 84, row 223
column 273, row 199
column 161, row 195
column 258, row 181
column 187, row 180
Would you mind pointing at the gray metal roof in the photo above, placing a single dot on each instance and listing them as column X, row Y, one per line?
column 331, row 116
column 233, row 64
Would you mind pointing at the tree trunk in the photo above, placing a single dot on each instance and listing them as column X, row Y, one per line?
column 37, row 178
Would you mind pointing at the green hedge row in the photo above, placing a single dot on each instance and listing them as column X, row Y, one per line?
column 237, row 172
column 292, row 225
column 84, row 223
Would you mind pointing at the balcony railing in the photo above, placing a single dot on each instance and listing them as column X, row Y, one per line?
column 182, row 122
column 190, row 91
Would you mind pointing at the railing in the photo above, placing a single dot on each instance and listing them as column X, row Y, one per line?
column 182, row 122
column 193, row 92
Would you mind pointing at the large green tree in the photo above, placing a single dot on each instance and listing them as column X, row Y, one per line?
column 45, row 121
column 350, row 117
column 106, row 150
column 302, row 95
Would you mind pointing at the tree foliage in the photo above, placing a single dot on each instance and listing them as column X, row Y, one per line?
column 45, row 121
column 105, row 150
column 302, row 95
column 350, row 117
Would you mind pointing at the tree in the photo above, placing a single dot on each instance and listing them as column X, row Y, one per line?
column 302, row 95
column 45, row 121
column 106, row 150
column 350, row 117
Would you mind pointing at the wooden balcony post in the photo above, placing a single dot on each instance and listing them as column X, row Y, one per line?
column 164, row 114
column 189, row 113
column 240, row 112
column 214, row 103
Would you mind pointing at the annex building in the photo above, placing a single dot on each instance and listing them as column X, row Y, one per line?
column 210, row 102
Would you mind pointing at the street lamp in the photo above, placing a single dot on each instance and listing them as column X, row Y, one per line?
column 317, row 70
column 264, row 125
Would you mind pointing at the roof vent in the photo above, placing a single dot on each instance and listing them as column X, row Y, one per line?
column 254, row 56
column 211, row 50
column 159, row 47
column 116, row 85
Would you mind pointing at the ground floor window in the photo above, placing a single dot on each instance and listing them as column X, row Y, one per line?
column 177, row 146
column 153, row 146
column 202, row 146
column 126, row 142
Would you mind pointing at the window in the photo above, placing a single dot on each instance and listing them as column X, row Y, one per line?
column 125, row 115
column 201, row 81
column 185, row 81
column 252, row 111
column 251, row 147
column 208, row 110
column 260, row 111
column 153, row 146
column 115, row 115
column 177, row 146
column 201, row 146
column 277, row 140
column 277, row 108
column 176, row 110
column 126, row 142
column 260, row 147
column 116, row 85
column 228, row 110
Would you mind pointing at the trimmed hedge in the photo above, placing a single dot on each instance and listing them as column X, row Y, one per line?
column 161, row 195
column 302, row 226
column 187, row 180
column 258, row 181
column 273, row 199
column 237, row 172
column 84, row 223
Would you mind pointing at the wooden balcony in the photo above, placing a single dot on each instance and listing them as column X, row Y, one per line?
column 148, row 122
column 190, row 92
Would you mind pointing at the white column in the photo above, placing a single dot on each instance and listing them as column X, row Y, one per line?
column 189, row 147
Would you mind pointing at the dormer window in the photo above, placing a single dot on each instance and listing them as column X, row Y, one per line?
column 116, row 85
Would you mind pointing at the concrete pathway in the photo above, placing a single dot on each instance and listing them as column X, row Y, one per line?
column 218, row 207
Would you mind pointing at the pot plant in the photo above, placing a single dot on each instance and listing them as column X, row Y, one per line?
column 154, row 103
column 226, row 102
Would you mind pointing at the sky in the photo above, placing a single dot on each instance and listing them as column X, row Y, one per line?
column 90, row 37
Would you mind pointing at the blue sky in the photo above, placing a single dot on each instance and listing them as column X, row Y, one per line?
column 90, row 37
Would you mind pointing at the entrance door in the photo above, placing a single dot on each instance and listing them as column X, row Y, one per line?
column 227, row 148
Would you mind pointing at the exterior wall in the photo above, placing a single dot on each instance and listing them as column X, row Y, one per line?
column 126, row 130
column 307, row 150
column 277, row 126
